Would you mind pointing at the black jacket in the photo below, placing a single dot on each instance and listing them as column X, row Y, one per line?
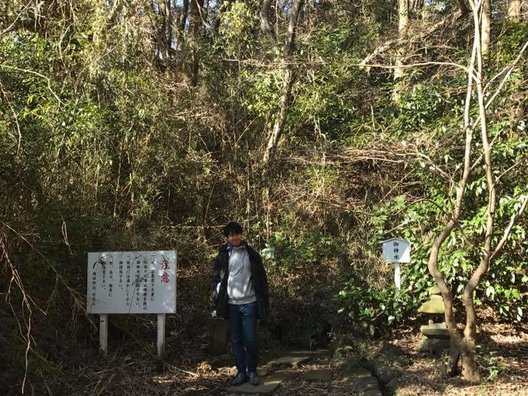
column 258, row 279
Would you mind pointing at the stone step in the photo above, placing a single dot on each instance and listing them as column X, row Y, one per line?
column 358, row 381
column 267, row 385
column 435, row 330
column 292, row 361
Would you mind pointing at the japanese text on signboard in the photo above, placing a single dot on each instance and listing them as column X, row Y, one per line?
column 131, row 282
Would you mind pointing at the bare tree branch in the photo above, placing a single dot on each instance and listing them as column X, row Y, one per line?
column 464, row 9
column 513, row 220
column 288, row 80
column 398, row 42
column 36, row 74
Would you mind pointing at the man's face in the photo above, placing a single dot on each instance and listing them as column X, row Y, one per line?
column 234, row 239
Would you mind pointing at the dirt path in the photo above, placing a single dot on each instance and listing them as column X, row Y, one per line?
column 190, row 370
column 307, row 373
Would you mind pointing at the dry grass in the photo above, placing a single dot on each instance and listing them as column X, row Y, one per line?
column 189, row 370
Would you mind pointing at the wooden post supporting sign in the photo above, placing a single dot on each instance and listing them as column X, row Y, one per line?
column 103, row 333
column 161, row 336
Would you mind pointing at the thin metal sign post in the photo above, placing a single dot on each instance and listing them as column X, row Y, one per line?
column 397, row 276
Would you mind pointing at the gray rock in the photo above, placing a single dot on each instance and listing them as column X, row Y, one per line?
column 292, row 361
column 267, row 384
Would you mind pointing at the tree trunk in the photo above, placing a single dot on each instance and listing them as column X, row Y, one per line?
column 164, row 31
column 278, row 125
column 281, row 117
column 403, row 25
column 288, row 81
column 265, row 24
column 195, row 23
column 168, row 29
column 485, row 33
column 514, row 10
column 458, row 345
column 463, row 6
column 470, row 369
column 182, row 19
column 416, row 6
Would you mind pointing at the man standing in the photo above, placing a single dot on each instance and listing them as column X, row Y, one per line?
column 240, row 293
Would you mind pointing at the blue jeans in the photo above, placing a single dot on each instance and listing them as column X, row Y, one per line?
column 243, row 331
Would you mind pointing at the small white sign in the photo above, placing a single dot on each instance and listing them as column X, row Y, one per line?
column 131, row 282
column 396, row 250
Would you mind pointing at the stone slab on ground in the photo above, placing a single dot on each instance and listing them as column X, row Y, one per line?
column 354, row 373
column 373, row 392
column 267, row 384
column 361, row 382
column 314, row 352
column 292, row 361
column 318, row 375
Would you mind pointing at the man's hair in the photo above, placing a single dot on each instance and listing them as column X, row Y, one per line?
column 232, row 228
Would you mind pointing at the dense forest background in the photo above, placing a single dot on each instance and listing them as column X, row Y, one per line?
column 322, row 126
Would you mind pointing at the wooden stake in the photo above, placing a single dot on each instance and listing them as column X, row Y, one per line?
column 103, row 333
column 161, row 336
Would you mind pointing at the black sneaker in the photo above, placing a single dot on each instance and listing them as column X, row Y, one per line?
column 253, row 378
column 239, row 379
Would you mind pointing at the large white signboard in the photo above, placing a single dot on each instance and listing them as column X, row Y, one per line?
column 131, row 282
